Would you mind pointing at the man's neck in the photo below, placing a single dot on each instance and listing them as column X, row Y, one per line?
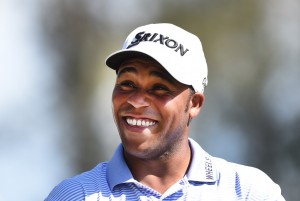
column 160, row 174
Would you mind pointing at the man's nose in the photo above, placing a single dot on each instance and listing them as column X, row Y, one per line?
column 139, row 99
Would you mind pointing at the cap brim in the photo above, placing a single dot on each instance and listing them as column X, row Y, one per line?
column 115, row 60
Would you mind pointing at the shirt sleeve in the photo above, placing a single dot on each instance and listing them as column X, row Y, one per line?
column 67, row 190
column 263, row 187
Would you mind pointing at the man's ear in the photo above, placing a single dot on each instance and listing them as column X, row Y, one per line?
column 197, row 101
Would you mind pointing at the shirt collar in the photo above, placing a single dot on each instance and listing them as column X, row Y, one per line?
column 202, row 167
column 117, row 169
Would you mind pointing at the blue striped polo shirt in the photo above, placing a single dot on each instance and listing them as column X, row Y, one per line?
column 208, row 178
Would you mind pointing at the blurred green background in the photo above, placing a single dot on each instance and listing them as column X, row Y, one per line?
column 55, row 105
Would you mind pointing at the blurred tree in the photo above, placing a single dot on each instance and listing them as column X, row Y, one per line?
column 76, row 37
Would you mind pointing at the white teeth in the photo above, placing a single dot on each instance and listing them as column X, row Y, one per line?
column 140, row 122
column 129, row 121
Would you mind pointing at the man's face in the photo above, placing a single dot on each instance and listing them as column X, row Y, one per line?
column 151, row 109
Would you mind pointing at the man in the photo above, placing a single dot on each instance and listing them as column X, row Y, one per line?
column 161, row 75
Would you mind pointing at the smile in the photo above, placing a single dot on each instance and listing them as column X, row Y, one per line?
column 140, row 122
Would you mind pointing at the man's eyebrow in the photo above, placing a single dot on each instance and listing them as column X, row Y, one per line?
column 126, row 69
column 164, row 76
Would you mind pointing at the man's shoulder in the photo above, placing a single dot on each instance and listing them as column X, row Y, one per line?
column 81, row 185
column 256, row 183
column 92, row 175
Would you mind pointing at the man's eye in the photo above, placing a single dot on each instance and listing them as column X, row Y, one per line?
column 127, row 85
column 160, row 88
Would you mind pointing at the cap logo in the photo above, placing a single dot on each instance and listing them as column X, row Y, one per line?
column 163, row 40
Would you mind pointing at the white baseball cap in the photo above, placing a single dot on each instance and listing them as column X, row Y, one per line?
column 178, row 51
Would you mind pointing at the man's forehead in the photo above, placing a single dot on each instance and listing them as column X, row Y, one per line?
column 143, row 62
column 156, row 68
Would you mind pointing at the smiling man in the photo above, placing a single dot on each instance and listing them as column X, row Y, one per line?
column 161, row 75
column 152, row 111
